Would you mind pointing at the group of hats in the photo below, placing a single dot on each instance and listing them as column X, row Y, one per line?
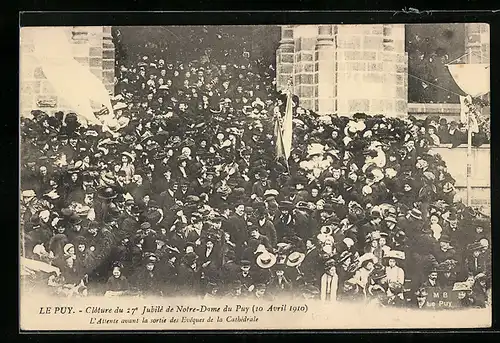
column 266, row 259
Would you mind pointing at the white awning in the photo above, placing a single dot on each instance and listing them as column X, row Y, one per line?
column 473, row 79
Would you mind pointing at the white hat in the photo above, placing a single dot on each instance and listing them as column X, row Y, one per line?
column 461, row 286
column 186, row 151
column 322, row 237
column 295, row 258
column 396, row 254
column 227, row 143
column 67, row 247
column 28, row 193
column 348, row 241
column 271, row 192
column 119, row 106
column 266, row 260
column 39, row 249
column 328, row 249
column 44, row 213
column 117, row 97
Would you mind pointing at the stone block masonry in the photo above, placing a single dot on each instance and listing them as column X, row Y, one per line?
column 92, row 46
column 345, row 69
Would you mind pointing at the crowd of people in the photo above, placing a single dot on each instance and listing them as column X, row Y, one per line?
column 184, row 196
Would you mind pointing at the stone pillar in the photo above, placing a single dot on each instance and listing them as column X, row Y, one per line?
column 356, row 68
column 305, row 37
column 285, row 57
column 90, row 46
column 108, row 59
column 371, row 70
column 325, row 61
column 477, row 40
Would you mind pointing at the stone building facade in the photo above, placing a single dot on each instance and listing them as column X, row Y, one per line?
column 92, row 46
column 345, row 69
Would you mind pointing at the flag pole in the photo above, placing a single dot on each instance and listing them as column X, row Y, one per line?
column 469, row 148
column 469, row 155
column 288, row 98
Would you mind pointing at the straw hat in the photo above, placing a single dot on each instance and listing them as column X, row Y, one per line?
column 129, row 155
column 266, row 260
column 395, row 254
column 295, row 258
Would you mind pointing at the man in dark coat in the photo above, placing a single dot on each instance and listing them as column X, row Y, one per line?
column 247, row 278
column 168, row 270
column 147, row 280
column 279, row 284
column 285, row 224
column 266, row 227
column 130, row 222
column 100, row 243
column 457, row 233
column 237, row 228
column 209, row 258
column 478, row 260
column 189, row 275
column 262, row 185
column 419, row 301
column 312, row 264
column 302, row 215
column 168, row 198
column 255, row 239
column 445, row 251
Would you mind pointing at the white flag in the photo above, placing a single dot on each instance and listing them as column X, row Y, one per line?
column 287, row 126
column 72, row 81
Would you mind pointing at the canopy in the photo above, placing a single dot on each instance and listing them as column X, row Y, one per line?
column 473, row 79
column 73, row 82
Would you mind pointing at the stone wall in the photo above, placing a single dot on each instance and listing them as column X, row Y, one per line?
column 92, row 46
column 345, row 68
column 421, row 111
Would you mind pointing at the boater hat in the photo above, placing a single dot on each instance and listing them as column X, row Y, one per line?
column 395, row 254
column 129, row 155
column 266, row 260
column 415, row 213
column 294, row 259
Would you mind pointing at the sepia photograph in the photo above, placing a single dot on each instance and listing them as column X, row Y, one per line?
column 255, row 177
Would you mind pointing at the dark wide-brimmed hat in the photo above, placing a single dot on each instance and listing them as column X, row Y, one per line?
column 302, row 205
column 107, row 193
column 286, row 204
